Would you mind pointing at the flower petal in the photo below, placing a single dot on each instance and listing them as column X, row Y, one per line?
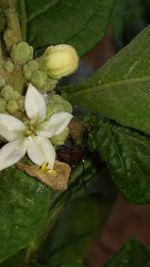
column 55, row 125
column 34, row 104
column 12, row 153
column 40, row 151
column 10, row 127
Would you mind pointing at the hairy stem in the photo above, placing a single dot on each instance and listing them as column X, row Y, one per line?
column 12, row 34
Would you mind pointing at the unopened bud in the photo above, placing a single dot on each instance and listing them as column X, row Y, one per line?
column 56, row 104
column 20, row 103
column 8, row 66
column 2, row 82
column 59, row 61
column 2, row 104
column 60, row 139
column 49, row 85
column 12, row 106
column 7, row 92
column 29, row 68
column 38, row 78
column 21, row 53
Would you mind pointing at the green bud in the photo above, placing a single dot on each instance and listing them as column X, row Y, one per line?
column 16, row 95
column 7, row 92
column 29, row 68
column 59, row 61
column 8, row 66
column 56, row 104
column 60, row 139
column 12, row 106
column 21, row 53
column 49, row 85
column 20, row 102
column 2, row 105
column 2, row 82
column 38, row 79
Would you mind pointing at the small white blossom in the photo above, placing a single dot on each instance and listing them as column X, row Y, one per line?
column 32, row 137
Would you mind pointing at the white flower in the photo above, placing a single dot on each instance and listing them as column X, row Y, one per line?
column 31, row 137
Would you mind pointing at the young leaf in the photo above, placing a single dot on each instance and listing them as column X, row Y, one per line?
column 133, row 253
column 121, row 88
column 80, row 23
column 127, row 153
column 24, row 205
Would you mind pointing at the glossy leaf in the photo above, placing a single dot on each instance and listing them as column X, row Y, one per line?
column 80, row 23
column 133, row 253
column 127, row 154
column 121, row 88
column 24, row 205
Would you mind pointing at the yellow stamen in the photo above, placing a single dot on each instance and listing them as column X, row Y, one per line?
column 52, row 172
column 44, row 166
column 44, row 169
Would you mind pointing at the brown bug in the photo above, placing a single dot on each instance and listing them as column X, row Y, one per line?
column 70, row 153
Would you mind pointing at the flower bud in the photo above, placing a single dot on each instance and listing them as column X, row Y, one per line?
column 49, row 85
column 2, row 82
column 16, row 95
column 29, row 68
column 12, row 106
column 59, row 61
column 60, row 139
column 38, row 78
column 8, row 66
column 7, row 92
column 21, row 53
column 2, row 104
column 20, row 102
column 57, row 104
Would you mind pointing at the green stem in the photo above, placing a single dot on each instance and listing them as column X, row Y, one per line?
column 23, row 19
column 12, row 34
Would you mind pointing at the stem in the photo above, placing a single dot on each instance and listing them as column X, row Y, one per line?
column 12, row 34
column 23, row 19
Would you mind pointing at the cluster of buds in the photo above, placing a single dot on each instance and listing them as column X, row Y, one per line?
column 11, row 101
column 44, row 72
column 43, row 118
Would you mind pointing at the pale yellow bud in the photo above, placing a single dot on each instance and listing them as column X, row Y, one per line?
column 59, row 61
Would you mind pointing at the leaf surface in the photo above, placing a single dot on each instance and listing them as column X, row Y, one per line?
column 133, row 253
column 80, row 23
column 121, row 88
column 127, row 154
column 24, row 205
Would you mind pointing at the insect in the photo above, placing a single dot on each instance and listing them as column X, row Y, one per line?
column 70, row 153
column 73, row 153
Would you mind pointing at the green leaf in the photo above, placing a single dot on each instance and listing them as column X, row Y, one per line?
column 127, row 153
column 18, row 260
column 78, row 225
column 80, row 23
column 24, row 205
column 133, row 253
column 121, row 88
